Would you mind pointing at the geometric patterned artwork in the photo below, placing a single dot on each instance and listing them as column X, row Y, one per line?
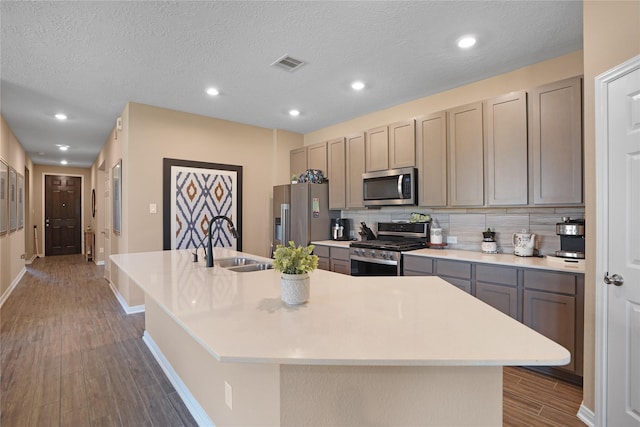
column 195, row 192
column 199, row 196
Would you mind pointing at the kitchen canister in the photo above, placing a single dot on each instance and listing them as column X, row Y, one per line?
column 436, row 236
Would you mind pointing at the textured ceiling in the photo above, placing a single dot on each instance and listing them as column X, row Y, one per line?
column 88, row 59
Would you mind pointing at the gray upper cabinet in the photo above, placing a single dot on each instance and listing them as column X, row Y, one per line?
column 355, row 168
column 505, row 126
column 337, row 165
column 402, row 144
column 466, row 166
column 317, row 158
column 298, row 161
column 377, row 149
column 431, row 151
column 555, row 128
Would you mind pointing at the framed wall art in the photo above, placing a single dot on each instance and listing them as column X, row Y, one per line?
column 117, row 197
column 4, row 198
column 13, row 200
column 20, row 196
column 194, row 193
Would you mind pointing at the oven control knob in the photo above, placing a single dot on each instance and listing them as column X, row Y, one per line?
column 372, row 253
column 385, row 255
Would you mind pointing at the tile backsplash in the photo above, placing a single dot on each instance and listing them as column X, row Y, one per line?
column 468, row 224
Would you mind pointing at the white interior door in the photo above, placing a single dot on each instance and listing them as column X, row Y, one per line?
column 620, row 280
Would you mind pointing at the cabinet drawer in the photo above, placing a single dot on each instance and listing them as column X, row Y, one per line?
column 465, row 285
column 417, row 264
column 550, row 281
column 340, row 253
column 341, row 266
column 494, row 274
column 321, row 251
column 453, row 269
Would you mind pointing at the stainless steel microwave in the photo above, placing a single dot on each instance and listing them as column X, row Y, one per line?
column 390, row 187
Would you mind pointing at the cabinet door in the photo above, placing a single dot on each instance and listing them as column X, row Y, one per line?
column 298, row 161
column 317, row 157
column 341, row 266
column 337, row 171
column 503, row 298
column 355, row 169
column 417, row 266
column 402, row 144
column 556, row 143
column 377, row 149
column 431, row 147
column 466, row 171
column 465, row 285
column 506, row 152
column 554, row 317
column 324, row 263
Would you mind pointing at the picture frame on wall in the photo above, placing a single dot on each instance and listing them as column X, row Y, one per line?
column 13, row 200
column 117, row 197
column 4, row 198
column 20, row 196
column 192, row 194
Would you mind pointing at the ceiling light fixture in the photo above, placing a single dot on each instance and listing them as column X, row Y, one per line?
column 294, row 113
column 466, row 42
column 213, row 91
column 62, row 147
column 61, row 116
column 63, row 162
column 357, row 85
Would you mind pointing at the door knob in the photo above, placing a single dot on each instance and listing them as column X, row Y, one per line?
column 616, row 279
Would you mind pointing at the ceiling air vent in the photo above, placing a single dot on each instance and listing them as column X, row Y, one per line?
column 288, row 63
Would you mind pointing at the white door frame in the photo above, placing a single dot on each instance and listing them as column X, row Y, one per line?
column 602, row 237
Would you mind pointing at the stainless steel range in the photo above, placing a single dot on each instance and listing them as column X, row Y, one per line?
column 383, row 256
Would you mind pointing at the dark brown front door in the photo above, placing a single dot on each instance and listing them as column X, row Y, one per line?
column 62, row 221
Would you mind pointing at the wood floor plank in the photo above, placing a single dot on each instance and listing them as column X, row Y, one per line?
column 161, row 411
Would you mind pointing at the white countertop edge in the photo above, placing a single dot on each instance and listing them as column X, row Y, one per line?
column 334, row 243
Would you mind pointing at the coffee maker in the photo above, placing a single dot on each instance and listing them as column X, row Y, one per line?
column 571, row 232
column 340, row 229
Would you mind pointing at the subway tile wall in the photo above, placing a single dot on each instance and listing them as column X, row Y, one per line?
column 468, row 224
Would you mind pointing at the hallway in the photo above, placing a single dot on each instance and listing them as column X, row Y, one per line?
column 70, row 356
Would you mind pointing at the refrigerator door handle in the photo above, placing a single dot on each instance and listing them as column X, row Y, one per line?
column 284, row 215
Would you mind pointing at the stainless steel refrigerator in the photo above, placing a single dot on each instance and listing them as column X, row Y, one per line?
column 301, row 213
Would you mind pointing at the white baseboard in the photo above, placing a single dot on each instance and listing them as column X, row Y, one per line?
column 30, row 260
column 198, row 414
column 12, row 286
column 123, row 303
column 586, row 415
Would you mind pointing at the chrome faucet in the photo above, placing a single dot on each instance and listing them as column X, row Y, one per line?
column 209, row 245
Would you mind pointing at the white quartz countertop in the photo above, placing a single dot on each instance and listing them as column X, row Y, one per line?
column 334, row 243
column 546, row 263
column 375, row 321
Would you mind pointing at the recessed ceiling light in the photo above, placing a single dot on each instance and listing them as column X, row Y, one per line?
column 62, row 147
column 357, row 85
column 294, row 113
column 61, row 116
column 63, row 162
column 213, row 91
column 466, row 42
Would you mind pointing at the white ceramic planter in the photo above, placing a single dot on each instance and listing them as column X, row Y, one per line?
column 294, row 288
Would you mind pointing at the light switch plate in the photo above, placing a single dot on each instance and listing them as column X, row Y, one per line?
column 153, row 208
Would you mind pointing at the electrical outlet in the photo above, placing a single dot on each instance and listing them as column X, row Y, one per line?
column 228, row 395
column 101, row 250
column 23, row 256
column 452, row 239
column 153, row 208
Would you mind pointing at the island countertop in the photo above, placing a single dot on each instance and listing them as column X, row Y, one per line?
column 371, row 321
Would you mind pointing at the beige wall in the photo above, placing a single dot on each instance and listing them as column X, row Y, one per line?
column 524, row 78
column 150, row 134
column 611, row 36
column 15, row 247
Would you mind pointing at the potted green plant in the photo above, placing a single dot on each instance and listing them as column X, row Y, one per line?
column 489, row 236
column 295, row 264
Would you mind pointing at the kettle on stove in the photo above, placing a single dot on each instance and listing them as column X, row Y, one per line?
column 524, row 243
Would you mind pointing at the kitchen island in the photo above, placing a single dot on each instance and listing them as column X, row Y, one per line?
column 362, row 351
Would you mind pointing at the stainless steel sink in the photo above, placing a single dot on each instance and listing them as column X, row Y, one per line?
column 232, row 262
column 251, row 267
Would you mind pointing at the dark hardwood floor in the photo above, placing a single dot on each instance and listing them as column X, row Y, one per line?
column 70, row 356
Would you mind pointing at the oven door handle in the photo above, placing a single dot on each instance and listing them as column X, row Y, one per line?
column 373, row 260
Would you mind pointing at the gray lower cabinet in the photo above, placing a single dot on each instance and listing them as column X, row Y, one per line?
column 553, row 304
column 498, row 287
column 334, row 259
column 549, row 302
